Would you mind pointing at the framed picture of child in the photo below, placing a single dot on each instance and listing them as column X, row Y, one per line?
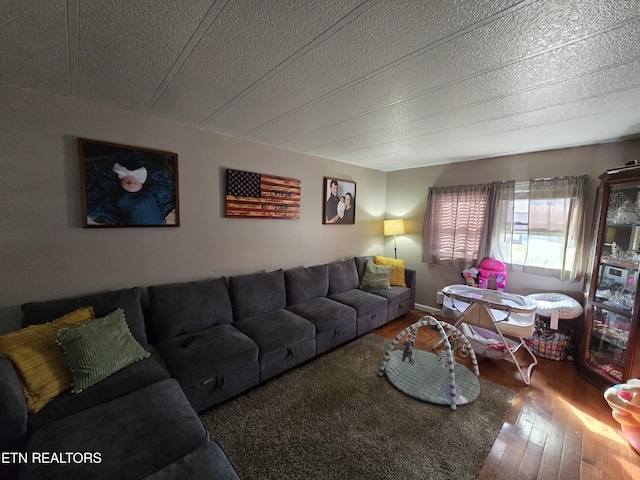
column 125, row 186
column 339, row 202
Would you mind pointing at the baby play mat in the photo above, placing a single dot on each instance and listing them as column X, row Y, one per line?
column 429, row 377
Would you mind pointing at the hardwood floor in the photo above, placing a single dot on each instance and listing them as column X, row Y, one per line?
column 559, row 427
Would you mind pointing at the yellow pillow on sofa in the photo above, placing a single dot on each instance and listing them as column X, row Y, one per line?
column 397, row 269
column 39, row 361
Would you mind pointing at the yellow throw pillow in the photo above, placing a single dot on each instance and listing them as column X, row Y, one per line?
column 397, row 269
column 39, row 361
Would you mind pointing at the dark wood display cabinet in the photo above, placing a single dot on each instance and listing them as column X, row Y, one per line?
column 610, row 351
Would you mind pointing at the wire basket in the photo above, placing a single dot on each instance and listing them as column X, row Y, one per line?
column 547, row 343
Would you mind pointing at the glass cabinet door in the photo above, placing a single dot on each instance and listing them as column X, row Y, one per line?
column 614, row 300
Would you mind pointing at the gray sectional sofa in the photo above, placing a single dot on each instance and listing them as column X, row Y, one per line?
column 208, row 341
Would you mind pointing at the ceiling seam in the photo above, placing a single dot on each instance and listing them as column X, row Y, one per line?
column 501, row 131
column 488, row 120
column 462, row 107
column 72, row 8
column 512, row 152
column 461, row 139
column 448, row 84
column 350, row 17
column 398, row 62
column 205, row 24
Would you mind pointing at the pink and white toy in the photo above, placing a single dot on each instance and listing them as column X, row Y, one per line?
column 470, row 276
column 491, row 267
column 624, row 400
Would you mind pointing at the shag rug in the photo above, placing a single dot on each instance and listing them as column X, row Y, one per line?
column 336, row 418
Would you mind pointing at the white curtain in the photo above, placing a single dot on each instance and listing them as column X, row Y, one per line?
column 499, row 223
column 556, row 228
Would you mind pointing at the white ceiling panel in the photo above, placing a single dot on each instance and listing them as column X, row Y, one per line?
column 352, row 115
column 249, row 42
column 483, row 47
column 127, row 48
column 367, row 46
column 455, row 115
column 387, row 84
column 33, row 45
column 510, row 142
column 624, row 104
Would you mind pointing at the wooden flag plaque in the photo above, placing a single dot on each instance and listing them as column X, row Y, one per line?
column 254, row 195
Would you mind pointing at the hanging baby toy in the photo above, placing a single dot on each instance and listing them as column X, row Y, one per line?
column 409, row 344
column 624, row 400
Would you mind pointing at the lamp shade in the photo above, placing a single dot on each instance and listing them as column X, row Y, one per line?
column 394, row 227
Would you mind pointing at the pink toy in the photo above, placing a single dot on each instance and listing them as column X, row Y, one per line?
column 624, row 400
column 489, row 267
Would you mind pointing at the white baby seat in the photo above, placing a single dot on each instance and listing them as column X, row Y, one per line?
column 488, row 317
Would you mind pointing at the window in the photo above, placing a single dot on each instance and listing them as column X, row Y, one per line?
column 537, row 226
column 520, row 224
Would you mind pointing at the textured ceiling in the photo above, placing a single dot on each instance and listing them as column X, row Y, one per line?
column 388, row 85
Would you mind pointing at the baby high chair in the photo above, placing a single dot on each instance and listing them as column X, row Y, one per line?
column 489, row 267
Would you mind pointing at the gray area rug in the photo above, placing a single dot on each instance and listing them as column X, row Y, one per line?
column 335, row 418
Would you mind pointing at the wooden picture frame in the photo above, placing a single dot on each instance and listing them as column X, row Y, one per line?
column 124, row 186
column 339, row 202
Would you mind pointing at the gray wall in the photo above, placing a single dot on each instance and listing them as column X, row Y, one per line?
column 45, row 253
column 407, row 197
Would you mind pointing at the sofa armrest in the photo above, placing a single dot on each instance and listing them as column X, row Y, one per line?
column 13, row 409
column 410, row 280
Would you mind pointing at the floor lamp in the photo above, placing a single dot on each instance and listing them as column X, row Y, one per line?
column 394, row 227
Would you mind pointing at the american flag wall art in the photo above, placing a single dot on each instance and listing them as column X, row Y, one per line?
column 254, row 195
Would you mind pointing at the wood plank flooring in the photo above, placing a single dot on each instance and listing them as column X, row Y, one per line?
column 560, row 426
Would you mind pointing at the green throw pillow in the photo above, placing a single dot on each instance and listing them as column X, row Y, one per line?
column 376, row 276
column 99, row 348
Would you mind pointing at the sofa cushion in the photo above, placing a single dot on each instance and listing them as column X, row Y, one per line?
column 276, row 330
column 324, row 313
column 200, row 357
column 39, row 361
column 207, row 462
column 306, row 283
column 99, row 348
column 133, row 377
column 13, row 410
column 133, row 436
column 376, row 277
column 361, row 263
column 394, row 295
column 365, row 303
column 343, row 276
column 397, row 265
column 187, row 307
column 102, row 303
column 257, row 293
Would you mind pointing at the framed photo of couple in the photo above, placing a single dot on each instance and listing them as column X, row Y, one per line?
column 339, row 207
